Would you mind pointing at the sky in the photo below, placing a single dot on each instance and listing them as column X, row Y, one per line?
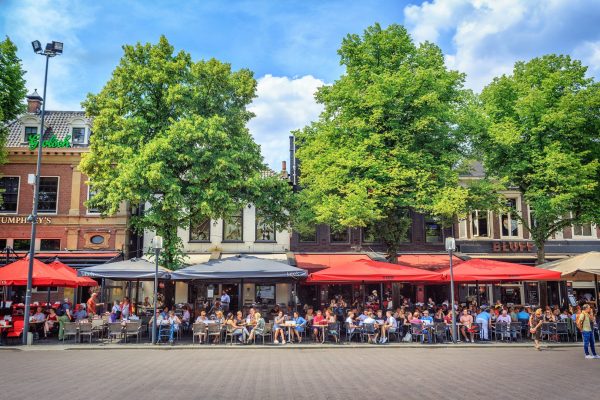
column 290, row 45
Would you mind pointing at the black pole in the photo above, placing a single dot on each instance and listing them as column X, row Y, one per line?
column 155, row 324
column 137, row 296
column 381, row 296
column 452, row 299
column 34, row 213
column 477, row 289
column 240, row 295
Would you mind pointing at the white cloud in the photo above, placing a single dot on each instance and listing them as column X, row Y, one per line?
column 283, row 104
column 488, row 36
column 589, row 54
column 46, row 20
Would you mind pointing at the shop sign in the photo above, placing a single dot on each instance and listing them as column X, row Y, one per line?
column 51, row 143
column 513, row 247
column 23, row 220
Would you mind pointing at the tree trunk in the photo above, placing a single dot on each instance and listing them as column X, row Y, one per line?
column 541, row 253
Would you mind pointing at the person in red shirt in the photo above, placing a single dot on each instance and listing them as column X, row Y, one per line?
column 318, row 321
column 91, row 304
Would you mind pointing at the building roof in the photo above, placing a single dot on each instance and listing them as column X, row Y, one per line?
column 474, row 170
column 58, row 122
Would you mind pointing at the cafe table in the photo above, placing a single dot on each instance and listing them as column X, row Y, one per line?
column 290, row 325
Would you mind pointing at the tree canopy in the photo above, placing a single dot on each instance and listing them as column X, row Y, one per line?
column 170, row 133
column 541, row 135
column 12, row 89
column 388, row 139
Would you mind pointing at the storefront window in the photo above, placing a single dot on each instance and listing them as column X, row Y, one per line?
column 340, row 235
column 508, row 221
column 200, row 231
column 21, row 244
column 265, row 294
column 50, row 244
column 233, row 227
column 433, row 230
column 479, row 223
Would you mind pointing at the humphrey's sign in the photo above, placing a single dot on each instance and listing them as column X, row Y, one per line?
column 23, row 220
column 52, row 143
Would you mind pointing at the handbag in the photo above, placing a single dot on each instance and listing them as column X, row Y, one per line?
column 407, row 337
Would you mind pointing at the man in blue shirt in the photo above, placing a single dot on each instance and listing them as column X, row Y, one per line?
column 523, row 315
column 485, row 319
column 427, row 325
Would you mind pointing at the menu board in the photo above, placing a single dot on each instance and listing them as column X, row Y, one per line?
column 265, row 292
column 533, row 296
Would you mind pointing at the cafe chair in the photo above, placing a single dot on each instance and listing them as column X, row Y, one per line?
column 70, row 329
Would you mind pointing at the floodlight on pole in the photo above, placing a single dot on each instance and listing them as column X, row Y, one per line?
column 52, row 49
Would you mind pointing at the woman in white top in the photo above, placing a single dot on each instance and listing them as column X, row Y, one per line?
column 279, row 320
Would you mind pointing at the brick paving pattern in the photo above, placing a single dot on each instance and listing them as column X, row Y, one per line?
column 246, row 373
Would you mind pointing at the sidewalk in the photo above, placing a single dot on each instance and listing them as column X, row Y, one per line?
column 308, row 346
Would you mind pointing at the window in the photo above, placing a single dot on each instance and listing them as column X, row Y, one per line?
column 91, row 194
column 97, row 239
column 9, row 189
column 265, row 232
column 339, row 235
column 49, row 244
column 44, row 289
column 509, row 225
column 200, row 232
column 433, row 230
column 233, row 227
column 78, row 136
column 462, row 229
column 29, row 132
column 370, row 234
column 21, row 244
column 584, row 230
column 2, row 244
column 479, row 223
column 48, row 194
column 308, row 235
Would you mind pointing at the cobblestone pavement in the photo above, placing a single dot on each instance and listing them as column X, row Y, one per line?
column 342, row 373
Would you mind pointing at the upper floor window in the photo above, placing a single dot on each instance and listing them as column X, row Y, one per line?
column 233, row 227
column 9, row 190
column 30, row 131
column 433, row 230
column 21, row 244
column 48, row 195
column 339, row 235
column 3, row 244
column 49, row 244
column 265, row 232
column 200, row 231
column 509, row 225
column 480, row 224
column 308, row 235
column 584, row 231
column 91, row 194
column 78, row 135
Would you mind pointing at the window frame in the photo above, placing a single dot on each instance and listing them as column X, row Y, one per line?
column 190, row 240
column 27, row 126
column 256, row 224
column 28, row 246
column 87, row 209
column 59, row 244
column 472, row 225
column 339, row 242
column 84, row 138
column 18, row 195
column 362, row 237
column 429, row 218
column 57, row 195
column 593, row 234
column 517, row 199
column 308, row 241
column 224, row 219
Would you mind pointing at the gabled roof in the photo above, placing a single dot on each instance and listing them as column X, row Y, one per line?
column 58, row 121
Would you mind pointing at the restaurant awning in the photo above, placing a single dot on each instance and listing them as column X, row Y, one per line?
column 315, row 262
column 481, row 270
column 582, row 266
column 240, row 267
column 364, row 269
column 71, row 274
column 133, row 269
column 43, row 275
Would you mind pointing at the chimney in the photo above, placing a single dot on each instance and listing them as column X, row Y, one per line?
column 284, row 173
column 34, row 102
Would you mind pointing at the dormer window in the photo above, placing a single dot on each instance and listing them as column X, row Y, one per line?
column 78, row 136
column 29, row 132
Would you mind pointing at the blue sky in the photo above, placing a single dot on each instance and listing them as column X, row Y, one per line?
column 290, row 45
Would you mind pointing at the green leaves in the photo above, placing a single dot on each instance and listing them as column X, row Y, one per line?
column 542, row 137
column 171, row 133
column 388, row 137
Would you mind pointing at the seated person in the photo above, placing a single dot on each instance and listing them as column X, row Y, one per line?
column 427, row 321
column 350, row 325
column 371, row 336
column 39, row 318
column 318, row 321
column 466, row 321
column 238, row 326
column 389, row 326
column 277, row 328
column 51, row 322
column 202, row 317
column 299, row 328
column 259, row 327
column 174, row 321
column 80, row 312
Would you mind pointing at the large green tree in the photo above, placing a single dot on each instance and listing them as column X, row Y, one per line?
column 541, row 134
column 388, row 140
column 12, row 89
column 171, row 133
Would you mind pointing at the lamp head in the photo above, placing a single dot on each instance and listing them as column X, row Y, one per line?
column 37, row 46
column 157, row 242
column 450, row 244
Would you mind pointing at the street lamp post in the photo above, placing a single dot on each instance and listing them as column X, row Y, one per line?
column 52, row 49
column 450, row 246
column 157, row 244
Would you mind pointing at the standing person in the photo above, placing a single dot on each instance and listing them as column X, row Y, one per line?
column 485, row 319
column 535, row 327
column 225, row 300
column 92, row 304
column 585, row 323
column 125, row 308
column 62, row 319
